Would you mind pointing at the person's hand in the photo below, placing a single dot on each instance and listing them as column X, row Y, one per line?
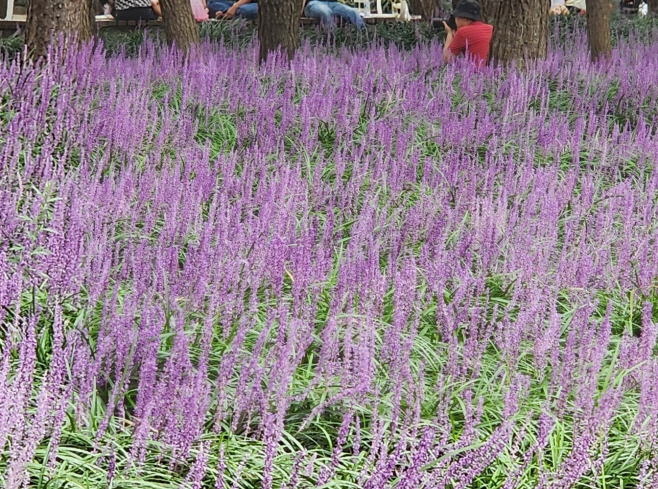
column 230, row 13
column 448, row 29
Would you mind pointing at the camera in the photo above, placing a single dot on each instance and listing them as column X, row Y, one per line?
column 438, row 23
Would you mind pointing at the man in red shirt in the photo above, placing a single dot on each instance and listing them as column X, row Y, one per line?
column 472, row 38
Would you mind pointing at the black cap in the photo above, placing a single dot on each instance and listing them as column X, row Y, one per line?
column 468, row 9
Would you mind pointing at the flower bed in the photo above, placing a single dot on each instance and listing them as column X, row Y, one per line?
column 365, row 271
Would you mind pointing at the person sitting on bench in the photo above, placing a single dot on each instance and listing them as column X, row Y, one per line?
column 326, row 11
column 143, row 10
column 227, row 9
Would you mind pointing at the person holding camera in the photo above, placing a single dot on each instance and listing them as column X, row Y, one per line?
column 469, row 35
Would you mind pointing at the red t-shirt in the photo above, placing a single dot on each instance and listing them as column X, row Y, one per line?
column 473, row 39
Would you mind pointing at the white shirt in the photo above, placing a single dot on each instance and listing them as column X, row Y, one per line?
column 577, row 3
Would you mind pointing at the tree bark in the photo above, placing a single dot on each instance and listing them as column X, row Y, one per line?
column 278, row 27
column 425, row 8
column 48, row 19
column 653, row 7
column 179, row 25
column 520, row 29
column 598, row 29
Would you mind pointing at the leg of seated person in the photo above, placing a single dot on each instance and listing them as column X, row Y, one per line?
column 218, row 6
column 248, row 11
column 350, row 14
column 155, row 5
column 319, row 10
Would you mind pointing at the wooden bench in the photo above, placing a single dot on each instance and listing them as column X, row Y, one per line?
column 9, row 26
column 18, row 21
column 305, row 21
column 106, row 23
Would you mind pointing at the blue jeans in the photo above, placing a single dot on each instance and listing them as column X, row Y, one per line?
column 247, row 11
column 326, row 11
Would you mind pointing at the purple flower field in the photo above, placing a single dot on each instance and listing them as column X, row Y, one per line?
column 368, row 271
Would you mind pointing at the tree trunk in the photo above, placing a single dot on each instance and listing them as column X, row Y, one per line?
column 278, row 27
column 179, row 25
column 653, row 6
column 598, row 29
column 48, row 19
column 424, row 8
column 520, row 29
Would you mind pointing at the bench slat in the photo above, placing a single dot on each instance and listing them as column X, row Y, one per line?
column 106, row 21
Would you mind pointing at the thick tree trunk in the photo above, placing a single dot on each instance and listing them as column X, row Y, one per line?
column 48, row 19
column 598, row 28
column 653, row 6
column 520, row 29
column 278, row 27
column 424, row 8
column 179, row 25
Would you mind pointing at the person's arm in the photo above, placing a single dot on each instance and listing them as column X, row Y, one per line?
column 447, row 54
column 455, row 45
column 230, row 13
